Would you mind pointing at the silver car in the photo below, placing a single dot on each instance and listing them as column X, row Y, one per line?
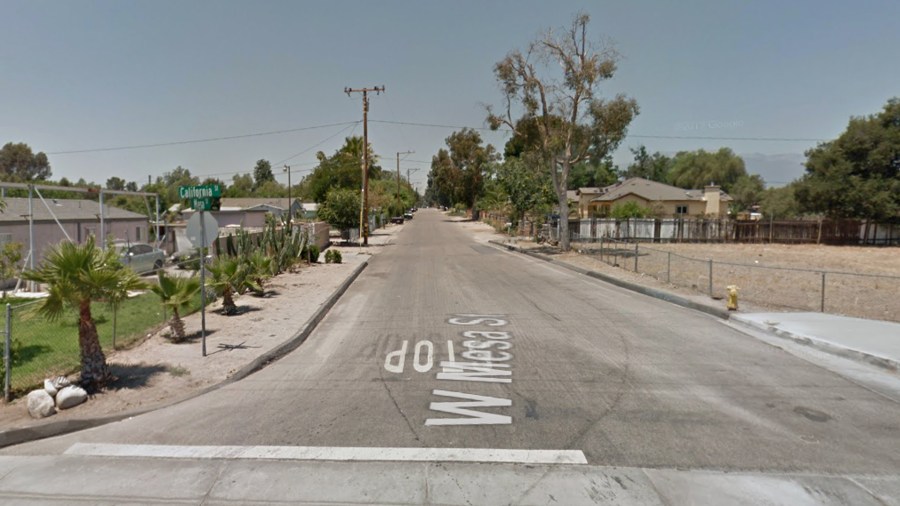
column 142, row 258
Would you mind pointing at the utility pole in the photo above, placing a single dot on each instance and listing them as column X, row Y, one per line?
column 287, row 168
column 398, row 173
column 408, row 180
column 364, row 208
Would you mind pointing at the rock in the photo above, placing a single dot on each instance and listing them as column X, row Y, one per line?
column 70, row 397
column 60, row 382
column 50, row 387
column 40, row 404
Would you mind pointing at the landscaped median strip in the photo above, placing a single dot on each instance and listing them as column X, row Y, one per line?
column 331, row 453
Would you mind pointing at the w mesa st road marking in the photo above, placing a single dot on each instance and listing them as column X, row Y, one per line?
column 483, row 361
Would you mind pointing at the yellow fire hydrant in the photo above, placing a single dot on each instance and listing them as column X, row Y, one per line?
column 732, row 297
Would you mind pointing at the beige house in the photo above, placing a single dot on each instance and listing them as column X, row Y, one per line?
column 584, row 196
column 666, row 201
column 56, row 220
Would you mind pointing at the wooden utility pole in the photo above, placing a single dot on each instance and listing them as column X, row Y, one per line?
column 398, row 172
column 364, row 208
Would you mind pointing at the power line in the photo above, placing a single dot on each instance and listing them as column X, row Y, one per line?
column 197, row 141
column 636, row 136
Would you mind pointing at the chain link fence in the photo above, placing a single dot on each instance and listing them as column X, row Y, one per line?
column 35, row 348
column 875, row 296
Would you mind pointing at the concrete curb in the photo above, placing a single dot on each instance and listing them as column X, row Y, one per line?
column 18, row 436
column 821, row 344
column 652, row 292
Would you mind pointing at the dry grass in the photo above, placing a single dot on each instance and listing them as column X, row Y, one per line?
column 858, row 281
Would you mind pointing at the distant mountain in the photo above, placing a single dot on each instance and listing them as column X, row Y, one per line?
column 776, row 170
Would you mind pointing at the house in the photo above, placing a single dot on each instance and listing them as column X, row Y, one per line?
column 56, row 220
column 249, row 212
column 584, row 196
column 666, row 201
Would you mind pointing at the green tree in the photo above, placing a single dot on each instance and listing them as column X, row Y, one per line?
column 10, row 256
column 654, row 167
column 856, row 175
column 457, row 172
column 343, row 169
column 177, row 293
column 697, row 169
column 241, row 186
column 527, row 186
column 779, row 203
column 19, row 163
column 262, row 173
column 115, row 183
column 630, row 209
column 341, row 208
column 746, row 192
column 76, row 275
column 573, row 122
column 592, row 173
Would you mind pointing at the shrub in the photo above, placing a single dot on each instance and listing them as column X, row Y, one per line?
column 329, row 256
column 336, row 256
column 313, row 253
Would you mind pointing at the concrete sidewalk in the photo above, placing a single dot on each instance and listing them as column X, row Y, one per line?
column 871, row 341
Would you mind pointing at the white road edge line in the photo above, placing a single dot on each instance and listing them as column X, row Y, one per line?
column 334, row 453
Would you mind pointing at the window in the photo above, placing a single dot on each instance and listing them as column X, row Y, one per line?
column 681, row 209
column 137, row 233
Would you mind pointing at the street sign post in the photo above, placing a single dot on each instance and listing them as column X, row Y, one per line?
column 205, row 197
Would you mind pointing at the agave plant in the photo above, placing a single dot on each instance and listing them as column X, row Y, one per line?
column 176, row 293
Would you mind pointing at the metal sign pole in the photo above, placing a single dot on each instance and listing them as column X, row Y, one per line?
column 203, row 281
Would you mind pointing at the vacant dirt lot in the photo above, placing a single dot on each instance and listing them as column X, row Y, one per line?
column 861, row 282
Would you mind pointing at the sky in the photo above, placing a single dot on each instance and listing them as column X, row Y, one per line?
column 81, row 80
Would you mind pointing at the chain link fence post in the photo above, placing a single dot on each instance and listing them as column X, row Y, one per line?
column 822, row 305
column 669, row 267
column 7, row 354
column 635, row 256
column 710, row 278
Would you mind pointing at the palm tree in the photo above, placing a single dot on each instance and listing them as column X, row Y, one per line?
column 260, row 268
column 75, row 275
column 176, row 292
column 230, row 277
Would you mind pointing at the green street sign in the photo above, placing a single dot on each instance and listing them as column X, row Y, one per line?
column 200, row 191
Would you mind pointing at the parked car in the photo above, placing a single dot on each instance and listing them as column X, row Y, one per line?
column 141, row 257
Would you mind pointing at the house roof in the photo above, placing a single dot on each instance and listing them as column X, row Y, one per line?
column 589, row 189
column 651, row 191
column 250, row 203
column 572, row 194
column 64, row 209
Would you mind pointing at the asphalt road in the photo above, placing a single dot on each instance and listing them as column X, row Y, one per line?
column 563, row 362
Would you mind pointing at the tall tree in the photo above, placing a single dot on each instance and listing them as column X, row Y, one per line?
column 654, row 167
column 459, row 170
column 343, row 169
column 18, row 163
column 115, row 183
column 747, row 192
column 241, row 186
column 593, row 174
column 856, row 175
column 696, row 169
column 573, row 122
column 262, row 173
